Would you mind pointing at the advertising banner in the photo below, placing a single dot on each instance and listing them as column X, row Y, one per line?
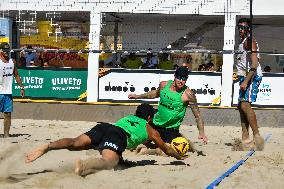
column 50, row 84
column 115, row 85
column 269, row 92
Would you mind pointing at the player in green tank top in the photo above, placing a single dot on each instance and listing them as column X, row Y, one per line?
column 171, row 109
column 128, row 132
column 175, row 97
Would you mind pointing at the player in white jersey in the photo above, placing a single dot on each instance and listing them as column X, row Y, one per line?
column 250, row 76
column 7, row 72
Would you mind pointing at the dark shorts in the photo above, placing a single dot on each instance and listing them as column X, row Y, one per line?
column 108, row 136
column 167, row 135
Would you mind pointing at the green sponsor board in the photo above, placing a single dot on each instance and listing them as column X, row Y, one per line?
column 52, row 84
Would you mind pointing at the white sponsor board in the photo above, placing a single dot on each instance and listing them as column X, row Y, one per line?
column 116, row 86
column 270, row 91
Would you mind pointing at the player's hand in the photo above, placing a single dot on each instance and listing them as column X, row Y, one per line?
column 180, row 157
column 132, row 96
column 203, row 137
column 184, row 157
column 173, row 153
column 22, row 93
column 243, row 86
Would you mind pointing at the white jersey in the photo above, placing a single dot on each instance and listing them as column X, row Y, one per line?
column 243, row 64
column 6, row 76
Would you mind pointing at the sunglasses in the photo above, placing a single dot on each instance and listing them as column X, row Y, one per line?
column 182, row 78
column 242, row 27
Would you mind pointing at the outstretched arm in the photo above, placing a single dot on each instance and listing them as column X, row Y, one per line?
column 192, row 102
column 150, row 94
column 155, row 136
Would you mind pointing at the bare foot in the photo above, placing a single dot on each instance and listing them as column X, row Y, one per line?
column 259, row 142
column 247, row 146
column 33, row 155
column 246, row 141
column 242, row 145
column 78, row 167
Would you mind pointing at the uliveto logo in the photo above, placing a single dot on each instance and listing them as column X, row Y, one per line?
column 111, row 145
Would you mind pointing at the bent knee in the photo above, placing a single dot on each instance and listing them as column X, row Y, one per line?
column 75, row 143
column 7, row 114
column 110, row 157
column 244, row 105
column 111, row 163
column 81, row 142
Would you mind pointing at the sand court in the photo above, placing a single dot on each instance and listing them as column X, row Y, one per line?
column 55, row 169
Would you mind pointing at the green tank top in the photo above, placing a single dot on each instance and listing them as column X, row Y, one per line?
column 136, row 128
column 171, row 109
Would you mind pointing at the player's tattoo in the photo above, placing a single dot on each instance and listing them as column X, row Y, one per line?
column 191, row 97
column 192, row 101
